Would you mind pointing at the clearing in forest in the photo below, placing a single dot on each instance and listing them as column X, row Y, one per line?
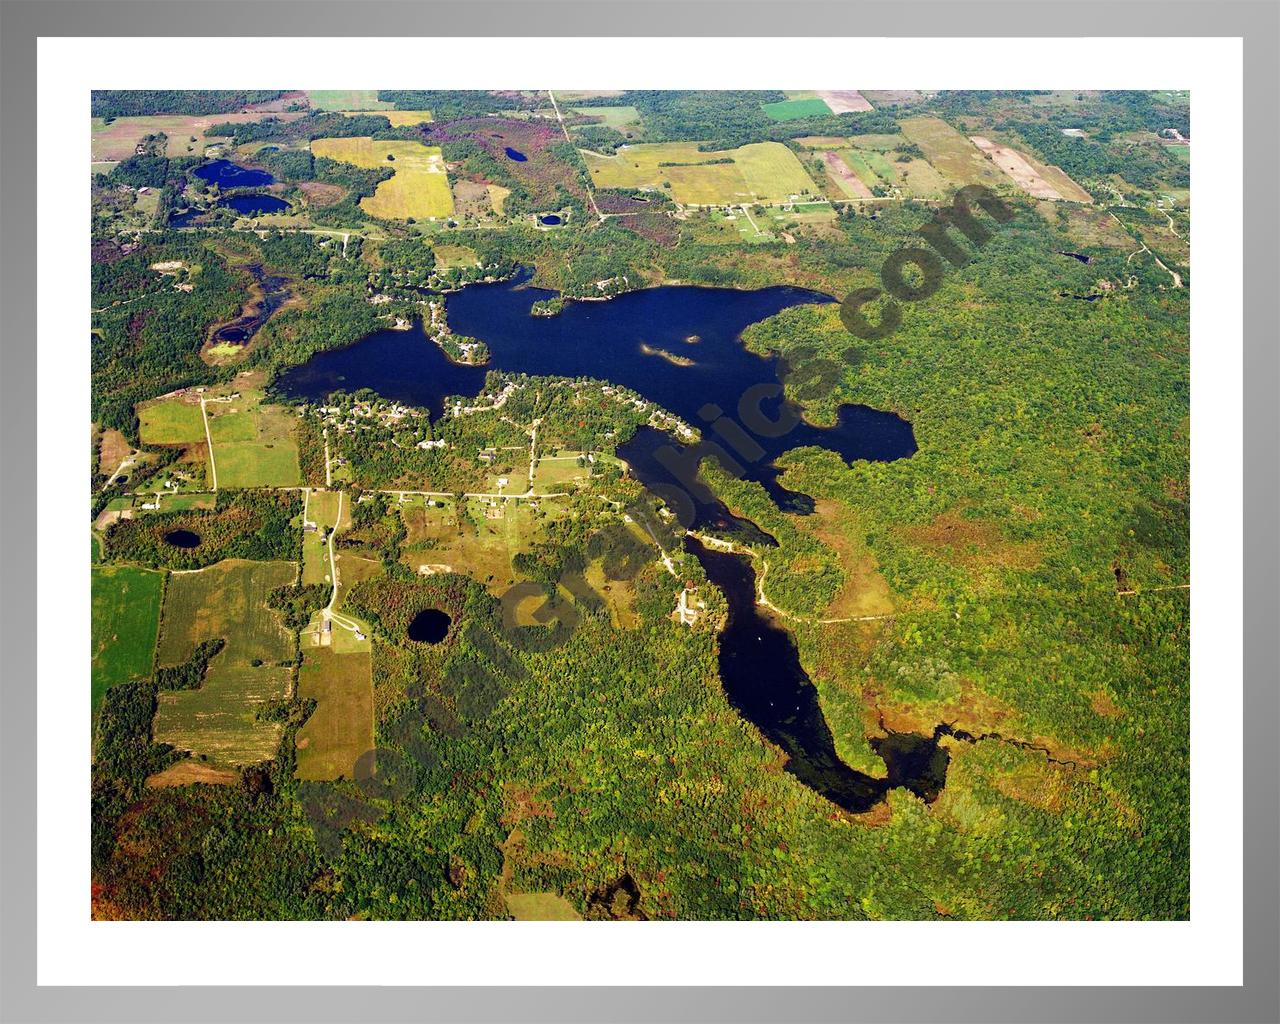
column 419, row 188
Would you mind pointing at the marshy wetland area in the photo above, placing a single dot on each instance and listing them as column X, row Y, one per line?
column 498, row 512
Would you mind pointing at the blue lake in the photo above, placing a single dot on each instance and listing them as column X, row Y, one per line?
column 516, row 155
column 678, row 346
column 252, row 205
column 550, row 218
column 225, row 174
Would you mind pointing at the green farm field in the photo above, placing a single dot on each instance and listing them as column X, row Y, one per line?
column 322, row 509
column 793, row 110
column 126, row 620
column 340, row 729
column 343, row 100
column 254, row 443
column 612, row 117
column 227, row 600
column 170, row 421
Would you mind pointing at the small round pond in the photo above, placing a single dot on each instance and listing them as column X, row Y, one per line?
column 429, row 626
column 516, row 155
column 182, row 539
column 550, row 218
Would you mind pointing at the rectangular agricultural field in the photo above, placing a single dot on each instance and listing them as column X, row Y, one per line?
column 793, row 110
column 170, row 421
column 227, row 600
column 844, row 101
column 858, row 163
column 340, row 729
column 341, row 100
column 254, row 445
column 419, row 188
column 759, row 172
column 1030, row 175
column 126, row 623
column 951, row 154
column 220, row 720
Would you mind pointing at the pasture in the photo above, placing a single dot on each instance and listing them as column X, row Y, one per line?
column 762, row 172
column 403, row 118
column 950, row 153
column 254, row 443
column 540, row 906
column 125, row 615
column 419, row 188
column 340, row 729
column 170, row 421
column 343, row 100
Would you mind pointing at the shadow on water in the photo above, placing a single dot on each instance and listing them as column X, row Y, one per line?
column 763, row 678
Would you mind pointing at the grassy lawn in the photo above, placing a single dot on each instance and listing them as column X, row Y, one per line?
column 419, row 187
column 540, row 906
column 341, row 727
column 170, row 421
column 126, row 621
column 253, row 464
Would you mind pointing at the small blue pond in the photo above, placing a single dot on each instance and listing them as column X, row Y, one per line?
column 516, row 155
column 550, row 218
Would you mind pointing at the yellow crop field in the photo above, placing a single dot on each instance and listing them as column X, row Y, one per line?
column 419, row 188
column 762, row 172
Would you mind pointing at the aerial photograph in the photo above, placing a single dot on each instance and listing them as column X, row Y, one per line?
column 640, row 505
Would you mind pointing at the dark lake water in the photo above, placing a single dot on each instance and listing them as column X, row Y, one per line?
column 225, row 174
column 550, row 218
column 675, row 345
column 252, row 205
column 516, row 155
column 182, row 539
column 429, row 626
column 762, row 677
